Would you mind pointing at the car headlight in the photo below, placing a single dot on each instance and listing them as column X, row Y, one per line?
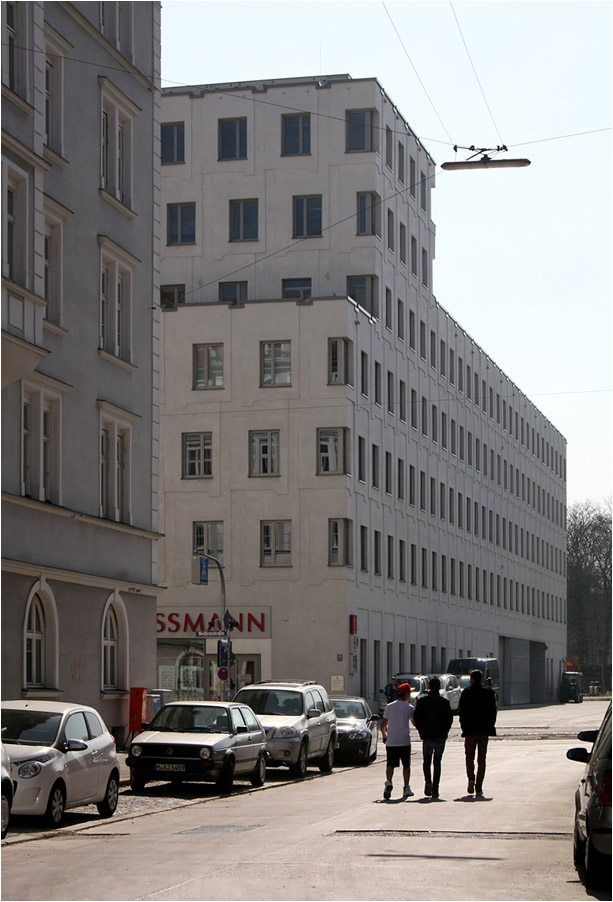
column 136, row 750
column 206, row 753
column 286, row 733
column 30, row 769
column 359, row 734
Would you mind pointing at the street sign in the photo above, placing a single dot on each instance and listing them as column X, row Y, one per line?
column 210, row 634
column 200, row 570
column 222, row 673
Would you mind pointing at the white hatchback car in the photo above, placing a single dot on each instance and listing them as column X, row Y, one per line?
column 63, row 757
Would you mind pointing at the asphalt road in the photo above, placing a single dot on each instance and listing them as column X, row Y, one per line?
column 331, row 836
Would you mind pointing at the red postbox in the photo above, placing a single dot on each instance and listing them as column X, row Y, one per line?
column 138, row 708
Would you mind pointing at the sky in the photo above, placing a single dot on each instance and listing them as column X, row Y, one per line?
column 523, row 256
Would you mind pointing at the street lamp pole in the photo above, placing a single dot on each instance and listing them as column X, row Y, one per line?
column 222, row 581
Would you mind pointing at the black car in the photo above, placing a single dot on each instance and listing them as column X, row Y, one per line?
column 357, row 730
column 592, row 828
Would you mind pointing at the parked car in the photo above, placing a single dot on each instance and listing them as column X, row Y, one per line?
column 592, row 828
column 299, row 720
column 488, row 667
column 7, row 790
column 418, row 683
column 451, row 690
column 571, row 687
column 464, row 681
column 206, row 741
column 63, row 757
column 357, row 730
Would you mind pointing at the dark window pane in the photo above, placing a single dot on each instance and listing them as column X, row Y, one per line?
column 251, row 219
column 168, row 144
column 188, row 223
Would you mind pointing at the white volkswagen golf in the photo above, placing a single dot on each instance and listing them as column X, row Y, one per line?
column 63, row 757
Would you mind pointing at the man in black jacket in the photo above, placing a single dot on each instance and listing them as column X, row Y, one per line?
column 477, row 719
column 433, row 719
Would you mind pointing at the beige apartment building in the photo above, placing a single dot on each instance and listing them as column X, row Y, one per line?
column 381, row 495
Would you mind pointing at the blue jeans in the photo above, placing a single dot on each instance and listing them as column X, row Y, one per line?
column 433, row 748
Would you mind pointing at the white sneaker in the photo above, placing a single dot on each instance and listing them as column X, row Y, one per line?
column 407, row 791
column 387, row 791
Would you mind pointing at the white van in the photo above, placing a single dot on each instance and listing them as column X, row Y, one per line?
column 488, row 667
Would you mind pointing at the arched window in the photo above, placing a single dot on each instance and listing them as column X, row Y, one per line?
column 109, row 650
column 35, row 644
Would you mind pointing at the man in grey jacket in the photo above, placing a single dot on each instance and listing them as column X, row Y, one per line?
column 433, row 719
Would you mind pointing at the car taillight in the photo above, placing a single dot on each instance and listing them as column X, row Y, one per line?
column 605, row 790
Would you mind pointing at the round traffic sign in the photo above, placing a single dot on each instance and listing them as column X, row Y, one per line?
column 222, row 673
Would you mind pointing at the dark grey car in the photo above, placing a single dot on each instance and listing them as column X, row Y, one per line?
column 592, row 829
column 357, row 730
column 211, row 741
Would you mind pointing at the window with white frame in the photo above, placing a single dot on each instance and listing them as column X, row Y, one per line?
column 53, row 253
column 117, row 114
column 340, row 361
column 110, row 633
column 115, row 478
column 116, row 267
column 340, row 542
column 35, row 641
column 41, row 438
column 331, row 450
column 56, row 48
column 197, row 455
column 361, row 133
column 116, row 24
column 275, row 543
column 207, row 538
column 275, row 363
column 264, row 452
column 207, row 366
column 15, row 222
column 17, row 47
column 368, row 213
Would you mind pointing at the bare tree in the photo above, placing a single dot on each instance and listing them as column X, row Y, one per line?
column 589, row 586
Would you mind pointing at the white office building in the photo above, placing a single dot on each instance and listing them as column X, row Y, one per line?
column 382, row 496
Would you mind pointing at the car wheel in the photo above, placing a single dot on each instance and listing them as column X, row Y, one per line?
column 299, row 769
column 6, row 813
column 56, row 805
column 225, row 781
column 258, row 777
column 326, row 763
column 578, row 850
column 107, row 807
column 596, row 866
column 137, row 781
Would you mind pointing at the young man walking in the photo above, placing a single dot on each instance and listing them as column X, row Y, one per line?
column 433, row 719
column 397, row 738
column 477, row 719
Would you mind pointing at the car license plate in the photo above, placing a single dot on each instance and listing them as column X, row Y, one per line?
column 169, row 767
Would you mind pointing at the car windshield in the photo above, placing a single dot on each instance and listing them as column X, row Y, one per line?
column 348, row 709
column 464, row 681
column 29, row 727
column 191, row 719
column 282, row 702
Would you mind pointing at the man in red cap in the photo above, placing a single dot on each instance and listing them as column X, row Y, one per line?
column 397, row 738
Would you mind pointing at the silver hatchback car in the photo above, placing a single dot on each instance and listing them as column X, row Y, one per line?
column 592, row 829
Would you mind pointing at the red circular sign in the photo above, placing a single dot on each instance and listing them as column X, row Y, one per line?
column 222, row 673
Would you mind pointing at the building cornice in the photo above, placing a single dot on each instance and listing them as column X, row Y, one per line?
column 40, row 571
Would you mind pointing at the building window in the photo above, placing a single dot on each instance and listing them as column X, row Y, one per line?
column 11, row 40
column 422, row 339
column 363, row 291
column 339, row 362
column 368, row 210
column 424, row 415
column 207, row 366
column 53, row 246
column 295, row 135
column 35, row 644
column 389, row 147
column 243, row 220
column 264, row 453
column 41, row 442
column 297, row 288
column 412, row 330
column 400, row 325
column 403, row 243
column 363, row 548
column 173, row 143
column 400, row 479
column 339, row 542
column 180, row 224
column 306, row 216
column 401, row 163
column 233, row 292
column 207, row 538
column 413, row 255
column 116, row 127
column 116, row 267
column 109, row 650
column 390, row 230
column 402, row 401
column 275, row 363
column 390, row 392
column 411, row 484
column 197, row 455
column 364, row 373
column 115, row 462
column 402, row 565
column 390, row 557
column 375, row 466
column 424, row 267
column 361, row 459
column 388, row 473
column 412, row 176
column 232, row 139
column 377, row 553
column 55, row 48
column 361, row 132
column 172, row 295
column 331, row 452
column 423, row 191
column 276, row 543
column 377, row 383
column 413, row 409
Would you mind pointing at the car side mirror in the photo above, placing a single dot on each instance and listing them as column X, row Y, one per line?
column 579, row 754
column 313, row 712
column 587, row 735
column 144, row 725
column 74, row 745
column 242, row 728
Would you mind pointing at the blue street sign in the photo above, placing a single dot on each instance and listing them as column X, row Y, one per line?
column 204, row 571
